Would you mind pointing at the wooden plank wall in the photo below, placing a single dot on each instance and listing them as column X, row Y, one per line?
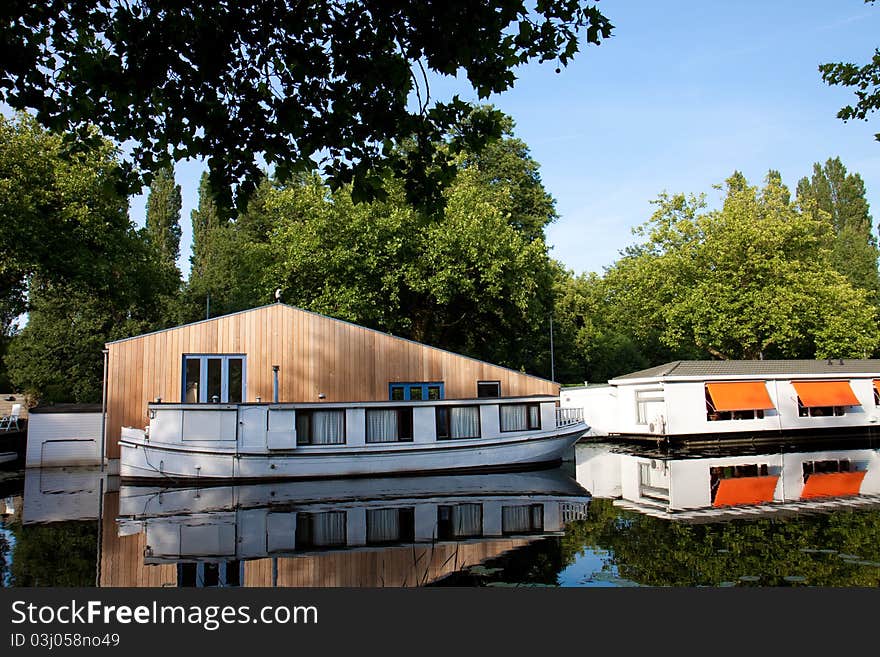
column 122, row 557
column 394, row 566
column 316, row 354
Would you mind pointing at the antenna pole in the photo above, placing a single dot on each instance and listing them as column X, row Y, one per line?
column 552, row 361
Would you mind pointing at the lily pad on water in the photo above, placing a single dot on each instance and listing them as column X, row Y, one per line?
column 727, row 584
column 482, row 570
column 750, row 578
column 795, row 579
column 849, row 557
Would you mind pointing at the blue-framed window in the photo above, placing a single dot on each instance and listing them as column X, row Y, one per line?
column 213, row 378
column 416, row 391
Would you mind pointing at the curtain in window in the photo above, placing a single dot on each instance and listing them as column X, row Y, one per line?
column 383, row 525
column 534, row 418
column 328, row 428
column 328, row 528
column 464, row 422
column 467, row 520
column 513, row 418
column 525, row 518
column 515, row 519
column 381, row 425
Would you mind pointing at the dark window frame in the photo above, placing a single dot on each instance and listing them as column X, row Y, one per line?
column 402, row 411
column 406, row 518
column 444, row 410
column 529, row 426
column 485, row 383
column 307, row 412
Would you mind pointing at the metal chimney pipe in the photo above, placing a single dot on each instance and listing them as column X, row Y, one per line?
column 275, row 383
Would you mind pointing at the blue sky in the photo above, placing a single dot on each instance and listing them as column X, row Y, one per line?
column 683, row 94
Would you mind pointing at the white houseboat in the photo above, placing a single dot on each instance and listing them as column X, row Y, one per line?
column 274, row 441
column 733, row 483
column 760, row 399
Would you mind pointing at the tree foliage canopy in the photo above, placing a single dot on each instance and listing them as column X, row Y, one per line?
column 753, row 279
column 233, row 81
column 864, row 79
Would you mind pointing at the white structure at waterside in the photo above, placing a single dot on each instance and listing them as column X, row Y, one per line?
column 763, row 397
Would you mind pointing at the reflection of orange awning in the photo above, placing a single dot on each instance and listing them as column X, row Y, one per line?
column 825, row 393
column 742, row 396
column 745, row 490
column 832, row 484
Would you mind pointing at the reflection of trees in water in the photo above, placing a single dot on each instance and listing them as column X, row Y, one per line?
column 59, row 554
column 656, row 552
column 4, row 560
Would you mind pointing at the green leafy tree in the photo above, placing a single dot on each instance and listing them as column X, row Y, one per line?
column 467, row 280
column 865, row 81
column 163, row 216
column 841, row 197
column 229, row 257
column 235, row 83
column 88, row 274
column 58, row 215
column 753, row 279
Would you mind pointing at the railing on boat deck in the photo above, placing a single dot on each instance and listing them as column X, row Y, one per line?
column 565, row 417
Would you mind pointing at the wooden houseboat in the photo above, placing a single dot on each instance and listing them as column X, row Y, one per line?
column 733, row 483
column 279, row 392
column 718, row 400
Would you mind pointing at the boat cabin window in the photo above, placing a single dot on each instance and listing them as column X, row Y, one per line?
column 320, row 427
column 320, row 530
column 714, row 415
column 718, row 473
column 522, row 519
column 459, row 521
column 419, row 391
column 826, row 467
column 520, row 417
column 210, row 574
column 388, row 526
column 819, row 411
column 487, row 389
column 213, row 379
column 389, row 425
column 455, row 422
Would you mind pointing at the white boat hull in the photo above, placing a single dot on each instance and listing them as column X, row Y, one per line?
column 141, row 459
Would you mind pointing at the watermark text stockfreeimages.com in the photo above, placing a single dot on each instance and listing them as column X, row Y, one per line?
column 210, row 617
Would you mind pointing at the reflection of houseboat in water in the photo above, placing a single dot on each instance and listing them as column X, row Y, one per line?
column 731, row 483
column 404, row 530
column 400, row 531
column 730, row 400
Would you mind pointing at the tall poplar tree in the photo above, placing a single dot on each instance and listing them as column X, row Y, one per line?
column 163, row 215
column 841, row 196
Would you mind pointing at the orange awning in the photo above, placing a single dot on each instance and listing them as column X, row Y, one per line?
column 877, row 386
column 745, row 490
column 825, row 393
column 741, row 396
column 833, row 484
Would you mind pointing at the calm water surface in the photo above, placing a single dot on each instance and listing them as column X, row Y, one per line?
column 612, row 516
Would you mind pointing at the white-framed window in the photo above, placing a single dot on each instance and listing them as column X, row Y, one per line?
column 649, row 404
